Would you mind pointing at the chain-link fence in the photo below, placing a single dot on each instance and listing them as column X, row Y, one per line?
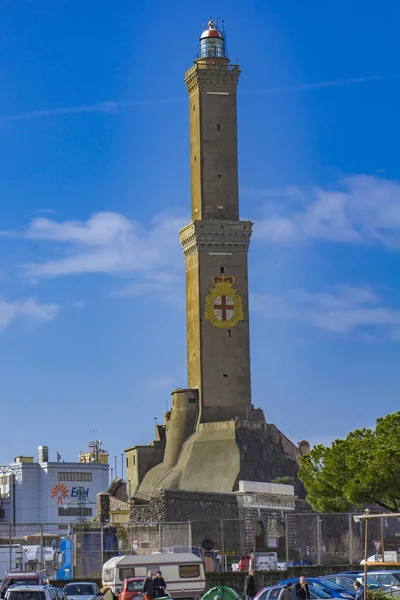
column 79, row 550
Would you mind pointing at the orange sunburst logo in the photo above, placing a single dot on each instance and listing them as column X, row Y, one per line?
column 59, row 491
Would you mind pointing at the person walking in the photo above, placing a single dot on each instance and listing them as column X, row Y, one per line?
column 249, row 586
column 301, row 590
column 286, row 592
column 159, row 585
column 148, row 589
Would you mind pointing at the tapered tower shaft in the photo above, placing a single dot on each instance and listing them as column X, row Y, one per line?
column 215, row 243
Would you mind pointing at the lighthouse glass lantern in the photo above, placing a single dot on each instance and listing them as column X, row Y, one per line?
column 212, row 43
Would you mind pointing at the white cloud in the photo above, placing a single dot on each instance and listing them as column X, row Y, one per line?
column 79, row 304
column 28, row 309
column 164, row 383
column 362, row 209
column 108, row 243
column 342, row 310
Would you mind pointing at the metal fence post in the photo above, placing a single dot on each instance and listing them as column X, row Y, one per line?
column 222, row 545
column 350, row 539
column 131, row 536
column 9, row 547
column 190, row 536
column 102, row 546
column 254, row 546
column 318, row 540
column 41, row 548
column 286, row 540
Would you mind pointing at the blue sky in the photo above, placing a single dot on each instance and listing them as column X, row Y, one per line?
column 94, row 185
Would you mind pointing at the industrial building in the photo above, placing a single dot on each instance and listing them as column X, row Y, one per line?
column 52, row 492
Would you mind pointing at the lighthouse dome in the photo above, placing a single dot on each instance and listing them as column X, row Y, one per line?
column 212, row 43
column 211, row 32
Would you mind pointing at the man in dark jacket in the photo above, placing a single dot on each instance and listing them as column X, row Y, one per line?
column 159, row 585
column 249, row 586
column 301, row 590
column 286, row 592
column 148, row 587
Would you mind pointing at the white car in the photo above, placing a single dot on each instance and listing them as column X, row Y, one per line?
column 31, row 592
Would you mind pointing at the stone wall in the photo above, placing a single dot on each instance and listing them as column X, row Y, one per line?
column 265, row 453
column 149, row 512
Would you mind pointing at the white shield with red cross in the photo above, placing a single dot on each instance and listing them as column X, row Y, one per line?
column 224, row 308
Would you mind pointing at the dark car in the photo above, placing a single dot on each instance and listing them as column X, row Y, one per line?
column 346, row 580
column 332, row 590
column 272, row 592
column 388, row 578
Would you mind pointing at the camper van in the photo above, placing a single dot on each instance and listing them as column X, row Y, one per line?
column 183, row 572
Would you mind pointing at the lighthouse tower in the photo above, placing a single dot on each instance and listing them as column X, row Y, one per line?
column 213, row 437
column 216, row 242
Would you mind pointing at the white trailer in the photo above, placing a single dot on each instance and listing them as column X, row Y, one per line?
column 183, row 572
column 12, row 558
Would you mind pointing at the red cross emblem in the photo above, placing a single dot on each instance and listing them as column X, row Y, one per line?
column 224, row 308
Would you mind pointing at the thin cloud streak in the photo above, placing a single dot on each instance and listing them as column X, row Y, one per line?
column 112, row 107
column 104, row 107
column 303, row 87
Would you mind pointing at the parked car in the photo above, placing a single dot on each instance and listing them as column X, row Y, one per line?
column 60, row 594
column 23, row 578
column 272, row 592
column 31, row 592
column 331, row 589
column 346, row 581
column 386, row 578
column 132, row 587
column 82, row 590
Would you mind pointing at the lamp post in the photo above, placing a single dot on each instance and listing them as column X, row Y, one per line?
column 366, row 553
column 357, row 519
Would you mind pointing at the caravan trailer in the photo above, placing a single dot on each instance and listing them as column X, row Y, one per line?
column 183, row 572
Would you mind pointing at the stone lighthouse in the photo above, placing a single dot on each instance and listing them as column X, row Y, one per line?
column 213, row 436
column 216, row 242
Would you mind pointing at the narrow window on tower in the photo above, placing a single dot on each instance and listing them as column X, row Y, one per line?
column 222, row 270
column 229, row 333
column 219, row 175
column 194, row 108
column 224, row 375
column 218, row 127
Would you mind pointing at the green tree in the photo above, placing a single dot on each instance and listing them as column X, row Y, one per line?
column 364, row 468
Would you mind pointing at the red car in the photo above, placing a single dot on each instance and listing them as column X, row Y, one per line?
column 132, row 587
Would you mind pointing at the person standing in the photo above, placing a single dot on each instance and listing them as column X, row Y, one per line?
column 148, row 589
column 159, row 585
column 286, row 592
column 301, row 590
column 359, row 590
column 249, row 586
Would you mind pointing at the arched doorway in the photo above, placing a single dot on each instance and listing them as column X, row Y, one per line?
column 260, row 536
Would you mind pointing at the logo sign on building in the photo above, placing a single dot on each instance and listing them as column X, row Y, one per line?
column 59, row 491
column 377, row 545
column 77, row 492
